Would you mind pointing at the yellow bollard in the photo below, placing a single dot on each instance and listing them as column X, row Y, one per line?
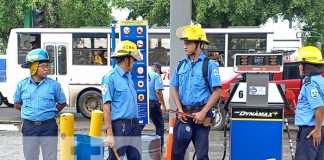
column 66, row 136
column 96, row 123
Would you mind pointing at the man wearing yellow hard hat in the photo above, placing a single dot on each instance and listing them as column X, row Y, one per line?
column 120, row 104
column 310, row 107
column 193, row 93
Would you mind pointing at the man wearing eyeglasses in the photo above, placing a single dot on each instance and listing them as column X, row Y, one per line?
column 39, row 99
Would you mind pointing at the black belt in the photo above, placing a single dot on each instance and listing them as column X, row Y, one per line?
column 126, row 121
column 192, row 108
column 39, row 123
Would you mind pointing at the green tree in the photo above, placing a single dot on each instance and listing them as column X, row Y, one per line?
column 11, row 16
column 224, row 13
column 58, row 14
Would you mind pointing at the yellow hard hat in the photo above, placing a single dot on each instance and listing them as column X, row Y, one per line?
column 308, row 54
column 127, row 48
column 192, row 33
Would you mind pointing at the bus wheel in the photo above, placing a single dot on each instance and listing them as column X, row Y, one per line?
column 88, row 102
column 219, row 116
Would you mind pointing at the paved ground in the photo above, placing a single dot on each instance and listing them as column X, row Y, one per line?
column 10, row 137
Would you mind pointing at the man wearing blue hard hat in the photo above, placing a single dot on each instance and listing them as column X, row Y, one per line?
column 39, row 99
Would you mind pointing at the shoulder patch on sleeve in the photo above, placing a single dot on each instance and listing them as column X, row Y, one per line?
column 160, row 79
column 216, row 73
column 314, row 93
column 307, row 81
column 104, row 89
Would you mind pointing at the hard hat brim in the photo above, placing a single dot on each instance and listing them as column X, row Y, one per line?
column 138, row 56
column 186, row 39
column 179, row 34
column 26, row 64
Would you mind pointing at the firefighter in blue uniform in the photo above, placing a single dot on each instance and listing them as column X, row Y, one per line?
column 310, row 107
column 192, row 95
column 39, row 99
column 120, row 104
column 156, row 103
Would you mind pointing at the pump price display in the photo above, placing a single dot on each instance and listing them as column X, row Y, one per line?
column 265, row 63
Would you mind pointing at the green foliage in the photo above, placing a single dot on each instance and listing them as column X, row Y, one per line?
column 77, row 13
column 157, row 12
column 58, row 13
column 209, row 13
column 224, row 13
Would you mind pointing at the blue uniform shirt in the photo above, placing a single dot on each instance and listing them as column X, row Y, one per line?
column 39, row 101
column 311, row 97
column 118, row 88
column 155, row 84
column 190, row 81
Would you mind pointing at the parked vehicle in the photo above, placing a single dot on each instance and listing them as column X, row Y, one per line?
column 289, row 78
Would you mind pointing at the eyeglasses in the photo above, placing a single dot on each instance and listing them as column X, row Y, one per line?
column 44, row 66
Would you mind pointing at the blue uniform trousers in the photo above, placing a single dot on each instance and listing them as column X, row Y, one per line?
column 157, row 119
column 305, row 149
column 199, row 139
column 127, row 134
column 40, row 134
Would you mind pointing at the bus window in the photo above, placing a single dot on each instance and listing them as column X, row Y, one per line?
column 241, row 43
column 51, row 54
column 87, row 46
column 100, row 54
column 159, row 49
column 217, row 56
column 27, row 42
column 216, row 49
column 62, row 60
column 217, row 42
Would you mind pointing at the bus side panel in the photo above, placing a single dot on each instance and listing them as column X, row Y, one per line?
column 62, row 39
column 14, row 71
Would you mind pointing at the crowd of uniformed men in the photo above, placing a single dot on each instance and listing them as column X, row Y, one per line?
column 40, row 98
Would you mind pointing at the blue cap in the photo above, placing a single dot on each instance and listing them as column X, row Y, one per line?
column 184, row 132
column 158, row 65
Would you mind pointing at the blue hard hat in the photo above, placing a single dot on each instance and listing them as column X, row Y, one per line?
column 184, row 132
column 36, row 55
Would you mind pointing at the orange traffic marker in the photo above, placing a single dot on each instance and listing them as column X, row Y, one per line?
column 167, row 155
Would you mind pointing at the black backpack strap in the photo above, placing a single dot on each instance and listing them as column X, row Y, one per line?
column 180, row 64
column 205, row 72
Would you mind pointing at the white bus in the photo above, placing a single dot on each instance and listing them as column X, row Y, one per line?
column 72, row 51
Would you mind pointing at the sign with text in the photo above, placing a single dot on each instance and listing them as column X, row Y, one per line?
column 136, row 31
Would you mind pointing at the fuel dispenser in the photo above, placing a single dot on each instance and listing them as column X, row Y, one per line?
column 257, row 109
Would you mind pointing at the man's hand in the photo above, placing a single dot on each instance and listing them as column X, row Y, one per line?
column 199, row 117
column 182, row 118
column 109, row 141
column 316, row 135
column 163, row 109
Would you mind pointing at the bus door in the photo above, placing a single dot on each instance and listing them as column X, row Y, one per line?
column 58, row 68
